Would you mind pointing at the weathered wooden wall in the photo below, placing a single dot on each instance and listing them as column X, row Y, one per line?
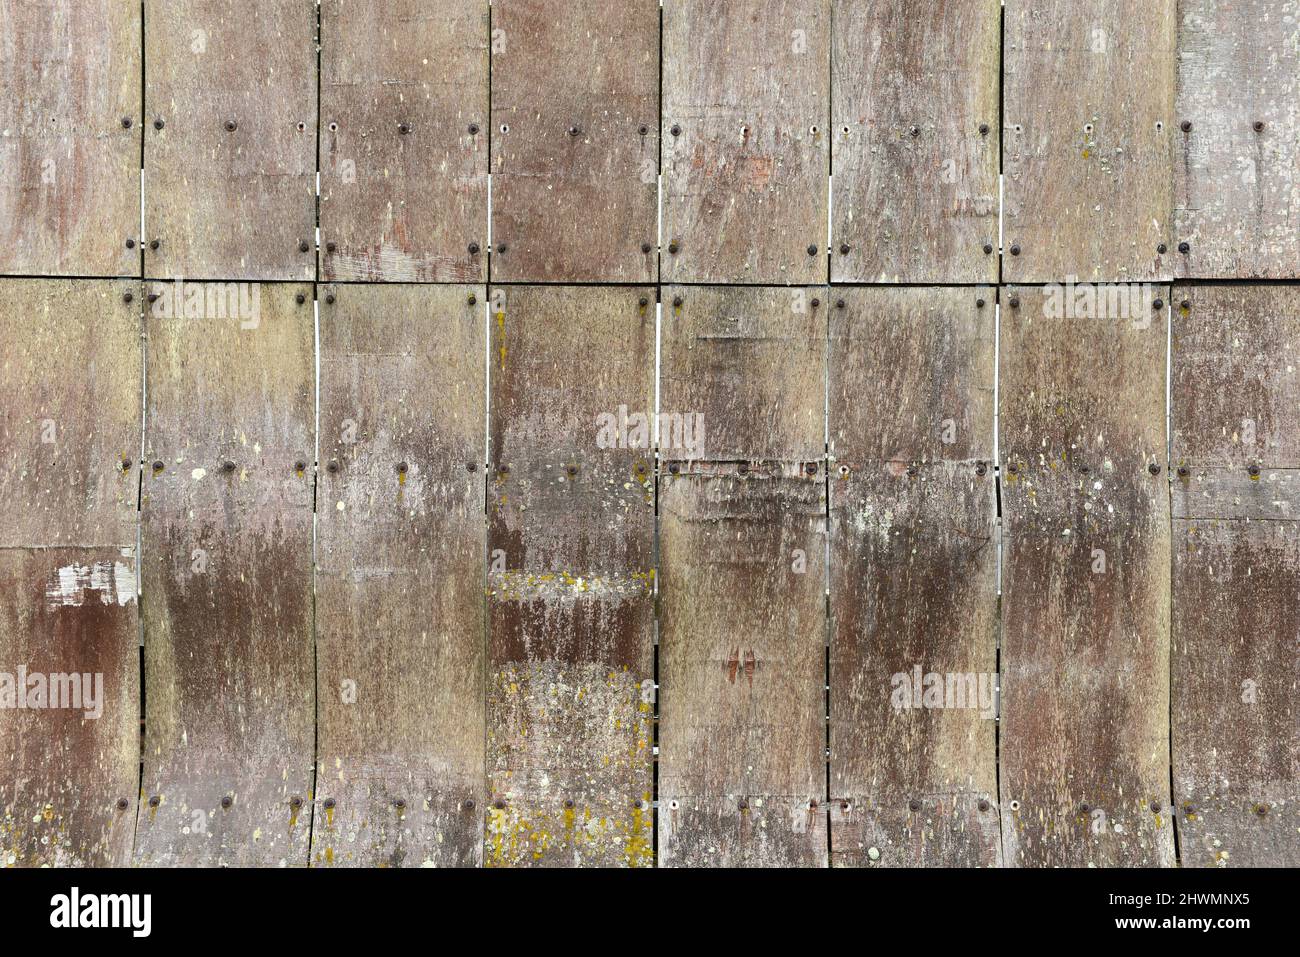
column 507, row 433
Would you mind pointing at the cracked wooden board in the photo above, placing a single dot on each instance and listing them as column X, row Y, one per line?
column 399, row 577
column 717, row 342
column 1084, row 745
column 231, row 173
column 1237, row 188
column 1088, row 138
column 226, row 513
column 742, row 768
column 70, row 153
column 1236, row 575
column 575, row 141
column 915, row 120
column 746, row 105
column 70, row 682
column 913, row 553
column 570, row 683
column 404, row 161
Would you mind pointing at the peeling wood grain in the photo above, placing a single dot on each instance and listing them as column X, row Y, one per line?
column 743, row 373
column 404, row 152
column 1237, row 188
column 69, row 665
column 742, row 775
column 575, row 141
column 913, row 585
column 226, row 537
column 570, row 693
column 70, row 137
column 1084, row 764
column 231, row 173
column 1236, row 575
column 746, row 88
column 1088, row 137
column 915, row 120
column 399, row 580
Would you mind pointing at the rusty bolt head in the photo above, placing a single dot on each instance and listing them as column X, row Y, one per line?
column 810, row 468
column 159, row 123
column 303, row 246
column 1162, row 249
column 1186, row 304
column 568, row 802
column 300, row 466
column 155, row 800
column 673, row 247
column 571, row 470
column 643, row 301
column 839, row 303
column 126, row 465
column 123, row 804
column 152, row 297
column 471, row 300
column 981, row 468
column 1186, row 126
column 1261, row 810
column 399, row 803
column 674, row 468
column 1085, row 807
column 914, row 806
column 1184, row 471
column 988, row 249
column 677, row 302
column 473, row 249
column 227, row 466
column 812, row 249
column 127, row 297
column 983, row 805
column 979, row 303
column 332, row 467
column 1012, row 468
column 743, row 468
column 331, row 246
column 1158, row 304
column 743, row 804
column 1258, row 126
column 984, row 129
column 502, row 247
column 646, row 247
column 401, row 468
column 1015, row 249
column 1153, row 468
column 912, row 470
column 226, row 802
column 1252, row 470
column 815, row 302
column 1014, row 302
column 473, row 129
column 231, row 126
column 844, row 249
column 471, row 466
column 130, row 244
column 330, row 804
column 295, row 802
column 300, row 299
column 154, row 244
column 329, row 299
column 158, row 465
column 1155, row 807
column 499, row 804
column 1184, row 247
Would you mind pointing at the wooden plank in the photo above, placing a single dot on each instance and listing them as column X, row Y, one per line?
column 1236, row 186
column 746, row 108
column 913, row 594
column 743, row 373
column 226, row 539
column 404, row 152
column 230, row 151
column 69, row 660
column 915, row 120
column 570, row 686
column 575, row 141
column 70, row 153
column 399, row 582
column 1084, row 745
column 742, row 772
column 1236, row 575
column 1088, row 140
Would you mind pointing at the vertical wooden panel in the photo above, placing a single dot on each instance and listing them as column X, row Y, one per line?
column 570, row 691
column 70, row 153
column 1088, row 136
column 1236, row 581
column 915, row 119
column 745, row 112
column 226, row 522
column 69, row 664
column 231, row 173
column 399, row 586
column 1084, row 761
column 1237, row 166
column 913, row 679
column 743, row 557
column 575, row 140
column 404, row 161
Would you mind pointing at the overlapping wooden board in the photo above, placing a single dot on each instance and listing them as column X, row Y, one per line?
column 1088, row 139
column 570, row 682
column 1236, row 575
column 913, row 579
column 746, row 106
column 575, row 141
column 1084, row 744
column 226, row 556
column 230, row 146
column 69, row 664
column 404, row 149
column 70, row 153
column 915, row 120
column 1236, row 165
column 399, row 577
column 742, row 627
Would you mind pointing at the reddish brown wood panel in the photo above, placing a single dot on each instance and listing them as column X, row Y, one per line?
column 913, row 581
column 1088, row 139
column 1237, row 165
column 571, row 569
column 746, row 150
column 1236, row 575
column 70, row 153
column 399, row 577
column 404, row 149
column 1084, row 744
column 575, row 141
column 915, row 121
column 230, row 147
column 69, row 658
column 226, row 558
